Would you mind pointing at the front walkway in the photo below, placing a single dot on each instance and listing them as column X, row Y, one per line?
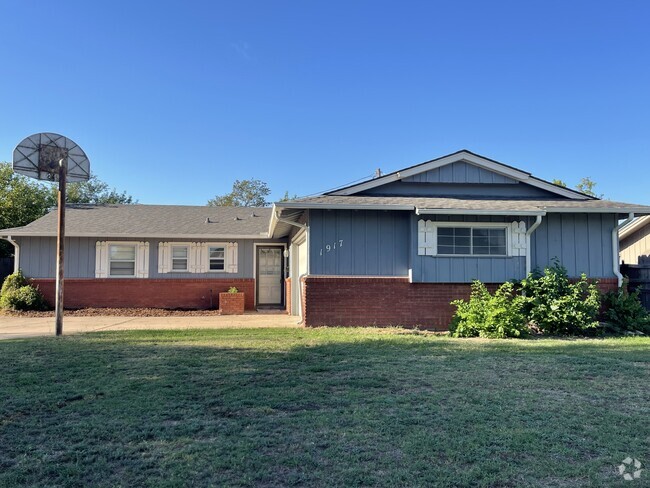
column 21, row 327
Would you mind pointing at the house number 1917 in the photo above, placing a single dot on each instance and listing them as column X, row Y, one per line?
column 331, row 247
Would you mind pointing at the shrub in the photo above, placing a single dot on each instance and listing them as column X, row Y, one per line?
column 13, row 282
column 491, row 316
column 233, row 289
column 23, row 298
column 623, row 312
column 557, row 306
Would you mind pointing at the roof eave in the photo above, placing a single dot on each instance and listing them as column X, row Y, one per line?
column 345, row 206
column 460, row 211
column 263, row 235
column 634, row 226
column 614, row 210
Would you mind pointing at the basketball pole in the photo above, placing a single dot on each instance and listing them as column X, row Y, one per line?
column 60, row 244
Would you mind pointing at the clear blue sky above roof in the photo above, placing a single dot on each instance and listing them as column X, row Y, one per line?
column 172, row 102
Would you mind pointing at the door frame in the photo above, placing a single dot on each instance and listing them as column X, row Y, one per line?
column 301, row 237
column 283, row 245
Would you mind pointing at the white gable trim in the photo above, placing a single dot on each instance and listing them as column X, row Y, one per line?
column 467, row 157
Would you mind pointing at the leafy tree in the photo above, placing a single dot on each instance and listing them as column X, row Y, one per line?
column 560, row 183
column 23, row 200
column 587, row 186
column 93, row 191
column 287, row 197
column 245, row 193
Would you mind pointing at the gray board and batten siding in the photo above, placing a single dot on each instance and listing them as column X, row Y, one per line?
column 384, row 243
column 361, row 243
column 461, row 179
column 38, row 257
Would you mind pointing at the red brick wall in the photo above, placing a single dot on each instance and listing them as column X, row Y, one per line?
column 231, row 303
column 386, row 301
column 150, row 293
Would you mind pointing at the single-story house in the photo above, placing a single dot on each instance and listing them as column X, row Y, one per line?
column 393, row 250
column 635, row 240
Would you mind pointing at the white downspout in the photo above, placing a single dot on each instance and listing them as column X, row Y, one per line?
column 16, row 252
column 529, row 252
column 615, row 248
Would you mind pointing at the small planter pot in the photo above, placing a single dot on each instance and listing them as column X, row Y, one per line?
column 231, row 303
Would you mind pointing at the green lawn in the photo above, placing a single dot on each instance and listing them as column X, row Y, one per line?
column 323, row 407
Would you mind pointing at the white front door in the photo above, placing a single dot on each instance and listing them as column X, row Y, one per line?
column 269, row 276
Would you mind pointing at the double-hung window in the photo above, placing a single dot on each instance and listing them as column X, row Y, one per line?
column 121, row 260
column 180, row 258
column 472, row 241
column 217, row 258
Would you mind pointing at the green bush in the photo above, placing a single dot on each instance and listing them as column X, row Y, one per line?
column 558, row 307
column 23, row 298
column 13, row 282
column 623, row 312
column 491, row 316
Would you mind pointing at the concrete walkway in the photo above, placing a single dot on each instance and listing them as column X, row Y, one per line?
column 21, row 327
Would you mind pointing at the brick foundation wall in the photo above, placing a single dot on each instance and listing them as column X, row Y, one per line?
column 384, row 302
column 149, row 293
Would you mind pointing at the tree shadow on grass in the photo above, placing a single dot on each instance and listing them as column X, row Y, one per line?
column 335, row 408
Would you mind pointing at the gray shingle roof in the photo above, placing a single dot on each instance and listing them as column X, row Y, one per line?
column 152, row 221
column 502, row 205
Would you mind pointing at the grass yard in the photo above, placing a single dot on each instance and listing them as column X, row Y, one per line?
column 323, row 407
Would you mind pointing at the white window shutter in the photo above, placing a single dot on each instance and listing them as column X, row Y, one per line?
column 101, row 259
column 142, row 260
column 422, row 238
column 204, row 258
column 194, row 258
column 163, row 257
column 231, row 257
column 518, row 238
column 426, row 238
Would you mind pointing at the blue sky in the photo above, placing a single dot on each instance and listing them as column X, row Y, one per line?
column 173, row 101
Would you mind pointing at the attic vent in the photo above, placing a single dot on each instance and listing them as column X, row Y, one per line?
column 236, row 218
column 208, row 221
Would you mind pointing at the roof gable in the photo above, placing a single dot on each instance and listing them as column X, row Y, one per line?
column 462, row 167
column 459, row 172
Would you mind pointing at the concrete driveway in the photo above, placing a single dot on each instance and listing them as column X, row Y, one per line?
column 21, row 327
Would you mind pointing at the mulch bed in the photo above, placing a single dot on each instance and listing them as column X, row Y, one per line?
column 122, row 312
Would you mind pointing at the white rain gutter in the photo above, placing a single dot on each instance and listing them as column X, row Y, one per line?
column 460, row 211
column 615, row 246
column 289, row 222
column 529, row 251
column 344, row 206
column 16, row 252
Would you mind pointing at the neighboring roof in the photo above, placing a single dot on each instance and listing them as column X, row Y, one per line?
column 162, row 221
column 469, row 157
column 448, row 205
column 632, row 227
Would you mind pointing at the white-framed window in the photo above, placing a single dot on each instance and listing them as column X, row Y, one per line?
column 217, row 258
column 180, row 257
column 197, row 257
column 472, row 241
column 121, row 259
column 480, row 239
